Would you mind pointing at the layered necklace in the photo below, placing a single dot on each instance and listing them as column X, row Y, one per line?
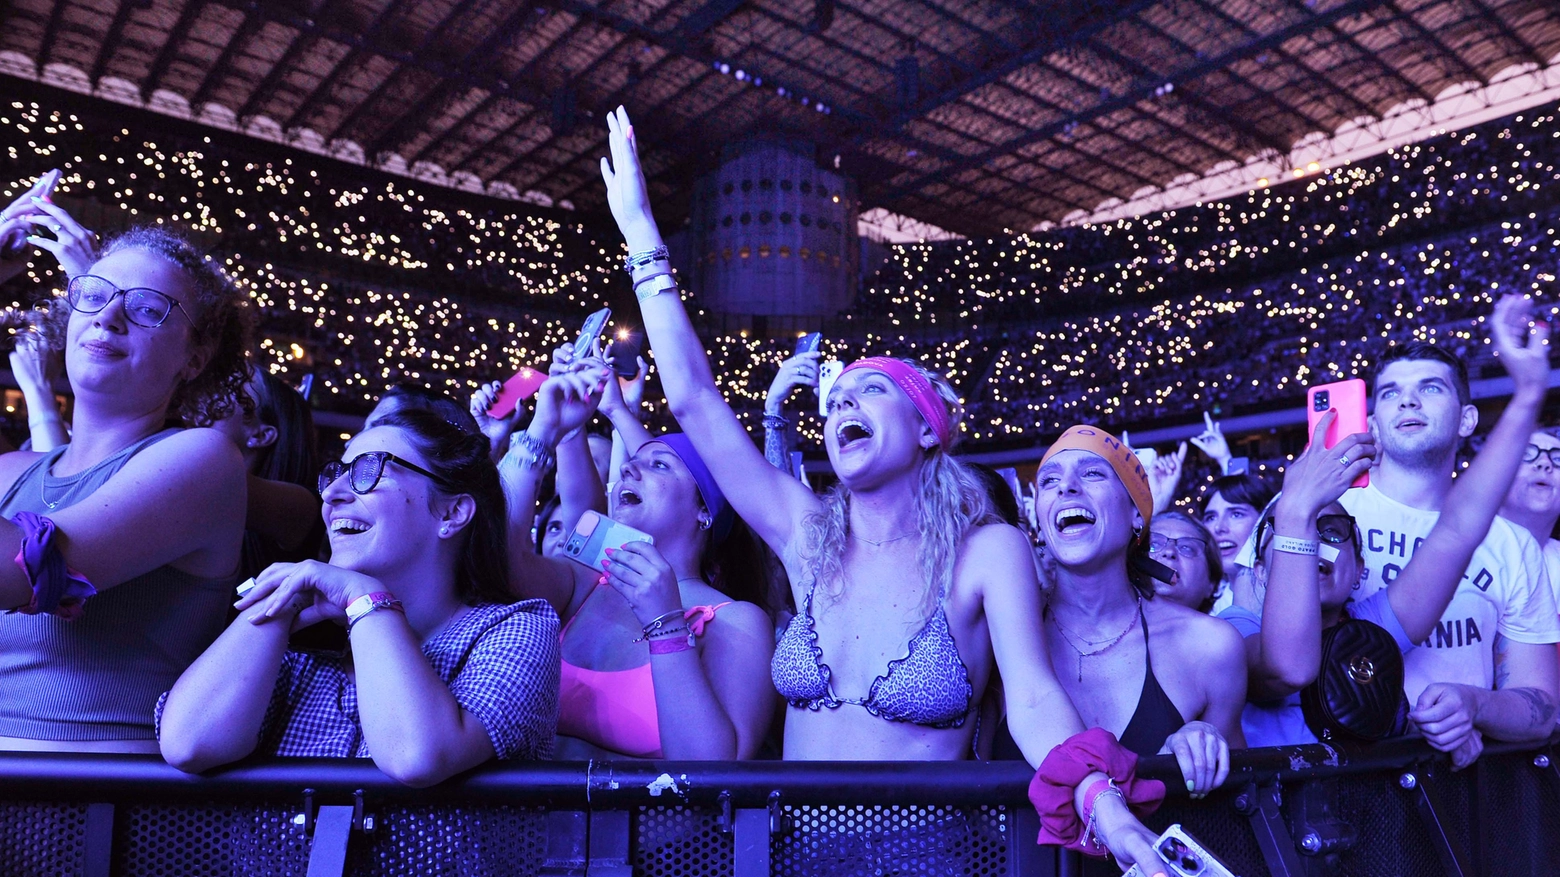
column 1097, row 647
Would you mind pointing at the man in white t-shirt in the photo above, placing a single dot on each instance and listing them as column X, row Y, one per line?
column 1490, row 665
column 1534, row 500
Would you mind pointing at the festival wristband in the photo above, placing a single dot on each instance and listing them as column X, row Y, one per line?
column 360, row 608
column 1290, row 545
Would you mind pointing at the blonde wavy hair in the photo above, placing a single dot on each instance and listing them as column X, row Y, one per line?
column 950, row 500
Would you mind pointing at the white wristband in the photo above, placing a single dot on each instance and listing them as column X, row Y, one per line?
column 1290, row 545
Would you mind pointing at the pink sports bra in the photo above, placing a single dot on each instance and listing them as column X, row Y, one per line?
column 615, row 709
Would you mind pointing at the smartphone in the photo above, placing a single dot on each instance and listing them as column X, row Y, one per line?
column 306, row 386
column 594, row 534
column 591, row 331
column 1184, row 856
column 520, row 386
column 15, row 242
column 1348, row 399
column 624, row 353
column 828, row 373
column 807, row 343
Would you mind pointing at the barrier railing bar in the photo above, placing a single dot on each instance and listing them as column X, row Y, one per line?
column 606, row 785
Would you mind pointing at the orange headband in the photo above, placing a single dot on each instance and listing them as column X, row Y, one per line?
column 1118, row 455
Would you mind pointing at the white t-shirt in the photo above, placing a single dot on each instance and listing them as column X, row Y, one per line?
column 1505, row 590
column 1552, row 567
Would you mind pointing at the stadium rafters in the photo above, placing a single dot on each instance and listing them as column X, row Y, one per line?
column 968, row 115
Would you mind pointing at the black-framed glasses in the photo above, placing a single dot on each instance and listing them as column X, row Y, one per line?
column 1332, row 528
column 147, row 308
column 1189, row 547
column 366, row 469
column 1532, row 452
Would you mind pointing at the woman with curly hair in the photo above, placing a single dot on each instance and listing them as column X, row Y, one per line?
column 910, row 593
column 126, row 539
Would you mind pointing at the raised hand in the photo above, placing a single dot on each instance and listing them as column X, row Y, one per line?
column 73, row 246
column 1212, row 443
column 627, row 194
column 800, row 370
column 1320, row 475
column 626, row 394
column 1521, row 344
column 568, row 399
column 497, row 429
column 1164, row 476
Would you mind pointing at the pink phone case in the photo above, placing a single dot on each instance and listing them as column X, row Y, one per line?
column 521, row 386
column 1348, row 399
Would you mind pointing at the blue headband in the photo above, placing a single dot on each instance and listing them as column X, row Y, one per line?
column 720, row 511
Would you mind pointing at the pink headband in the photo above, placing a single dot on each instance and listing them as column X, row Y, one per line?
column 921, row 392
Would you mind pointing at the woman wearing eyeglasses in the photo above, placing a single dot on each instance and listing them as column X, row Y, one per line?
column 442, row 673
column 1187, row 548
column 1309, row 561
column 127, row 538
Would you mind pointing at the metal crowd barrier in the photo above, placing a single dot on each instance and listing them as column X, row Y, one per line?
column 1394, row 808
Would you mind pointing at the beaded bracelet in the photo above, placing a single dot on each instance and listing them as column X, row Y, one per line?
column 775, row 421
column 657, row 623
column 639, row 260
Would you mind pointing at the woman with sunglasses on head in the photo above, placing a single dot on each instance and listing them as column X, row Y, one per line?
column 909, row 594
column 442, row 672
column 1309, row 558
column 666, row 646
column 128, row 537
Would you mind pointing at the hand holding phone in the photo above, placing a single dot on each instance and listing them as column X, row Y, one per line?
column 1348, row 399
column 520, row 386
column 594, row 534
column 1183, row 856
column 624, row 353
column 828, row 373
column 590, row 333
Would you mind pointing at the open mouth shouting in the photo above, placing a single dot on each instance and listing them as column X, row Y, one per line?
column 627, row 495
column 851, row 430
column 1073, row 520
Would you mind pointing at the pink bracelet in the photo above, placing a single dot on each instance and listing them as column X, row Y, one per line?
column 362, row 606
column 671, row 644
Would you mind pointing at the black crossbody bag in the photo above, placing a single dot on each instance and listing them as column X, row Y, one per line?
column 1358, row 694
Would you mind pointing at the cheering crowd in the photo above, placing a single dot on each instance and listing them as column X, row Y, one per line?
column 477, row 580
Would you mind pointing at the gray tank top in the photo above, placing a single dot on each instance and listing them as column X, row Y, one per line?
column 98, row 677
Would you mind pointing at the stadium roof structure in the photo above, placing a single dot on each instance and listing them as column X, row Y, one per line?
column 970, row 115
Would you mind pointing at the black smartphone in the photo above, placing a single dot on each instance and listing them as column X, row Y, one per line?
column 808, row 343
column 624, row 352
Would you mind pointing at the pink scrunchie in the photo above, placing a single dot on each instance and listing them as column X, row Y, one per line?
column 56, row 588
column 1052, row 789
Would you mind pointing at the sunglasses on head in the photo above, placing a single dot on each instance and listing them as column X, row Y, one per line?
column 365, row 470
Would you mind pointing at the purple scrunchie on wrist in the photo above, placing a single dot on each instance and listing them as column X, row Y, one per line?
column 56, row 588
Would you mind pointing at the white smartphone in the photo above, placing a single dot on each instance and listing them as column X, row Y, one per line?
column 828, row 373
column 594, row 534
column 1184, row 856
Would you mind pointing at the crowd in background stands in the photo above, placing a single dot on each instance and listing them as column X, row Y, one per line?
column 489, row 614
column 1320, row 274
